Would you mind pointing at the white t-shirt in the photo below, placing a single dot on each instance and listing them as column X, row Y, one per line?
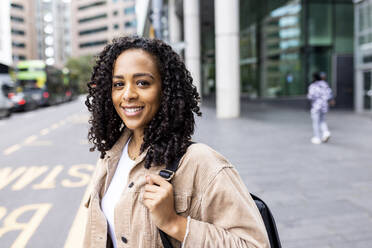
column 115, row 189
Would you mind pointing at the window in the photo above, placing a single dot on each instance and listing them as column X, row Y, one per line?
column 17, row 19
column 19, row 57
column 130, row 24
column 16, row 6
column 93, row 43
column 92, row 31
column 18, row 44
column 116, row 26
column 18, row 32
column 115, row 12
column 91, row 5
column 92, row 18
column 129, row 10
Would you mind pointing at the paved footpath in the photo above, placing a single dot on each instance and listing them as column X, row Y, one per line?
column 320, row 195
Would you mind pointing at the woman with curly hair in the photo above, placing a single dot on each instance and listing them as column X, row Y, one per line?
column 142, row 103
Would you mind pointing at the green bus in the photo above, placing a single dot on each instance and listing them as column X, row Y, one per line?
column 47, row 84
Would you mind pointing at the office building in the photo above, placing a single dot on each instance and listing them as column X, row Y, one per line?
column 96, row 22
column 53, row 31
column 23, row 30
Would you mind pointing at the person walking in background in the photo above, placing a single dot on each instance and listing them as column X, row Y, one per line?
column 319, row 93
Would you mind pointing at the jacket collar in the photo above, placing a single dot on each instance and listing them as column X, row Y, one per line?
column 117, row 148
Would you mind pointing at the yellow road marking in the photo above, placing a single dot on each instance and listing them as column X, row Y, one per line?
column 49, row 181
column 44, row 131
column 84, row 142
column 12, row 149
column 54, row 126
column 11, row 222
column 30, row 139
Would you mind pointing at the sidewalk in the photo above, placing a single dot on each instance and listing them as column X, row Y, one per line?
column 320, row 195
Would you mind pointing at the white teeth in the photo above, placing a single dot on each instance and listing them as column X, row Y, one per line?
column 132, row 110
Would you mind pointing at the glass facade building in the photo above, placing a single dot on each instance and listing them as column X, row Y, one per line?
column 363, row 52
column 283, row 42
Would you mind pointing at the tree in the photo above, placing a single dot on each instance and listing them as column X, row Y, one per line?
column 80, row 69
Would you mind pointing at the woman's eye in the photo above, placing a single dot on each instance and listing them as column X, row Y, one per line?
column 142, row 83
column 118, row 84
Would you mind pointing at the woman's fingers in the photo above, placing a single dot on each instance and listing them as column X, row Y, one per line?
column 151, row 196
column 156, row 179
column 151, row 188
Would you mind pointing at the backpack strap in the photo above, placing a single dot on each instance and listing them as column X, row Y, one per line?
column 168, row 173
column 170, row 170
column 269, row 222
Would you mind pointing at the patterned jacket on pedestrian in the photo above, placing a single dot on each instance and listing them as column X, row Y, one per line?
column 319, row 93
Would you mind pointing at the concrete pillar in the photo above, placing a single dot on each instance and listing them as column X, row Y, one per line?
column 227, row 58
column 358, row 91
column 192, row 39
column 174, row 23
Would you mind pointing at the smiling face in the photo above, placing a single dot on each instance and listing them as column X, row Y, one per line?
column 136, row 88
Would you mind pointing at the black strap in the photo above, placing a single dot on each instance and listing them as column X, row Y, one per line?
column 168, row 174
column 165, row 239
column 269, row 222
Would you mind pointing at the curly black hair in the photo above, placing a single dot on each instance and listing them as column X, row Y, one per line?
column 169, row 133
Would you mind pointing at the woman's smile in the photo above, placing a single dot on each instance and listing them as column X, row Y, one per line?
column 132, row 111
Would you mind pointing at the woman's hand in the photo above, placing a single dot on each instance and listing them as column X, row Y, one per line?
column 158, row 198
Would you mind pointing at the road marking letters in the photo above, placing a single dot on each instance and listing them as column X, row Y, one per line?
column 28, row 228
column 79, row 176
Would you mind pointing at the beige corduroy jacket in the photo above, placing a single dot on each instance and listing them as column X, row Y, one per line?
column 207, row 189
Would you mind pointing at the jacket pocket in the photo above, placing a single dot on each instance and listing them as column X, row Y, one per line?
column 182, row 203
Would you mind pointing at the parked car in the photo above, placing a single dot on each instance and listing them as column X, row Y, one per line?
column 26, row 100
column 6, row 105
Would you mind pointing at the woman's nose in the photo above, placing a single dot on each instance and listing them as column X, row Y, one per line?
column 130, row 93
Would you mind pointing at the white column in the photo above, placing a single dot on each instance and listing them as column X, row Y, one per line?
column 358, row 91
column 227, row 58
column 192, row 39
column 174, row 23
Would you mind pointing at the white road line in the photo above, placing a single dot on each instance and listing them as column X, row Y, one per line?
column 75, row 236
column 12, row 149
column 30, row 139
column 44, row 131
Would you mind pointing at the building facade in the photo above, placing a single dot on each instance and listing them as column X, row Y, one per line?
column 265, row 49
column 96, row 22
column 363, row 55
column 40, row 29
column 5, row 39
column 23, row 31
column 53, row 31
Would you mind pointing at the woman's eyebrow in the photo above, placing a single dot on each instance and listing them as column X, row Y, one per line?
column 118, row 77
column 141, row 74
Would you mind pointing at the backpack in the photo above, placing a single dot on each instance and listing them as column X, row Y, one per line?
column 265, row 212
